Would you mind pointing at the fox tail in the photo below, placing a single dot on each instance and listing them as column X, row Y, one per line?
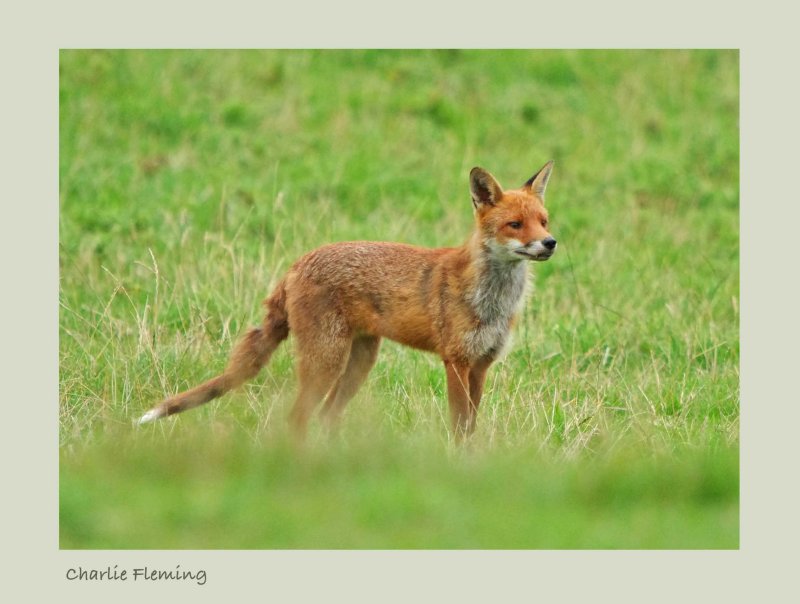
column 248, row 357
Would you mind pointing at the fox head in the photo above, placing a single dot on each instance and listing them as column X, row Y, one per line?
column 513, row 224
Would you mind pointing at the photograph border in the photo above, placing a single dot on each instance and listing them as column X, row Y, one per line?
column 768, row 495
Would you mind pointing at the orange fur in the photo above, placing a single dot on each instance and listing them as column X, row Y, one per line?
column 340, row 300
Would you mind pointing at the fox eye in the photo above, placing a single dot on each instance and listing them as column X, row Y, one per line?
column 544, row 222
column 515, row 224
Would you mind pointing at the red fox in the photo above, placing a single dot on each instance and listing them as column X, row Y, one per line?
column 341, row 299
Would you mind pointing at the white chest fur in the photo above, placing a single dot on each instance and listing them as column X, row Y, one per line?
column 497, row 298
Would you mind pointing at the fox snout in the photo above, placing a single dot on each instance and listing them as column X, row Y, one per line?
column 549, row 245
column 538, row 249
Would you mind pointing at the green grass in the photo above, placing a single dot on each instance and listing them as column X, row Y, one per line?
column 189, row 181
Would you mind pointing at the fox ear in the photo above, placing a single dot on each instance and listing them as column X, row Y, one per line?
column 484, row 188
column 538, row 182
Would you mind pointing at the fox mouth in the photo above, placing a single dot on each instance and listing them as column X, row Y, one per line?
column 539, row 256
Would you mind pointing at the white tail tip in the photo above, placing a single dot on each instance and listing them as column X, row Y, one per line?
column 150, row 416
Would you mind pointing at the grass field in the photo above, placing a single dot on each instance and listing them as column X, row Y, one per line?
column 189, row 181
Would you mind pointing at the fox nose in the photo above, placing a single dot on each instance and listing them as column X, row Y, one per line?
column 549, row 243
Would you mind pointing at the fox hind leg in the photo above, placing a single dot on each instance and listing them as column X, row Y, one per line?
column 323, row 359
column 363, row 354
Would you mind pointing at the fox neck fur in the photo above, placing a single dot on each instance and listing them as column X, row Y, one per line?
column 498, row 293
